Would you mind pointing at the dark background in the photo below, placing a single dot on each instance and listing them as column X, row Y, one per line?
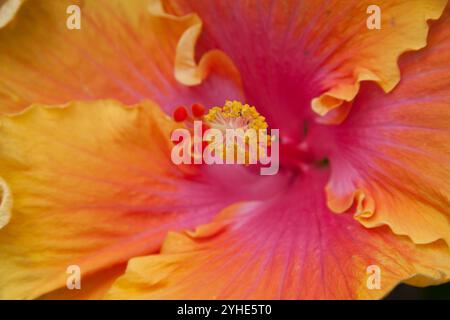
column 404, row 291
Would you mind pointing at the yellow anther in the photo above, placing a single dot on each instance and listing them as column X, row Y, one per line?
column 235, row 115
column 244, row 119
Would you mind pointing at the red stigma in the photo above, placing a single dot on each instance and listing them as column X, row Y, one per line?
column 198, row 110
column 180, row 114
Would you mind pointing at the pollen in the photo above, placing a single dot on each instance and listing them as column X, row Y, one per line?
column 245, row 131
column 235, row 115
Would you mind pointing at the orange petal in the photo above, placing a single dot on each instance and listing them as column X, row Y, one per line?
column 5, row 203
column 292, row 52
column 8, row 9
column 392, row 154
column 93, row 287
column 92, row 185
column 122, row 51
column 187, row 71
column 289, row 247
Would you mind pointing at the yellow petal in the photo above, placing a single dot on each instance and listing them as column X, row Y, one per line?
column 122, row 51
column 93, row 185
column 93, row 287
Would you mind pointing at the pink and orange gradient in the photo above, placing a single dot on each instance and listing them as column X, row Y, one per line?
column 85, row 123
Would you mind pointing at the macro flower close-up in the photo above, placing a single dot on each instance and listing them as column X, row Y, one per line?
column 353, row 200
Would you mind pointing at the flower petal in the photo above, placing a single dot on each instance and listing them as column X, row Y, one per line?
column 5, row 203
column 392, row 155
column 186, row 69
column 289, row 52
column 8, row 9
column 290, row 247
column 121, row 51
column 93, row 287
column 93, row 185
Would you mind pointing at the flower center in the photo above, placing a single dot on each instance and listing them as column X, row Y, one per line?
column 244, row 133
column 244, row 128
column 235, row 115
column 235, row 132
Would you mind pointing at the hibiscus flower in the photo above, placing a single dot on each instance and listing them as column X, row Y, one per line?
column 87, row 178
